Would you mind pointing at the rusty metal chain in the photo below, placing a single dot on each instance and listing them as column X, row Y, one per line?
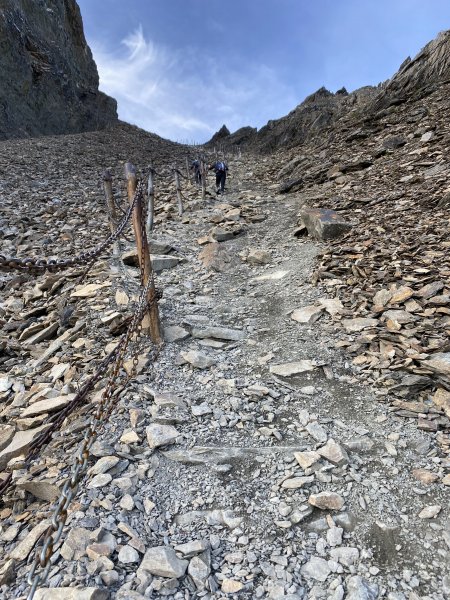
column 180, row 173
column 58, row 418
column 40, row 265
column 117, row 380
column 115, row 384
column 107, row 402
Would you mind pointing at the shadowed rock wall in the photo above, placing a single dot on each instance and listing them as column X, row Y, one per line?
column 49, row 80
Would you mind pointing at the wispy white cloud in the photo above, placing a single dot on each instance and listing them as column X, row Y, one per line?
column 183, row 94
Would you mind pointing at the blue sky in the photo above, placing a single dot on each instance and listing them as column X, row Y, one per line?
column 182, row 68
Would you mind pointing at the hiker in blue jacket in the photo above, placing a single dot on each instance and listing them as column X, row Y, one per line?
column 220, row 167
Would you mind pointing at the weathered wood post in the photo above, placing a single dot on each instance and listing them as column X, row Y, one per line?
column 203, row 172
column 176, row 174
column 151, row 199
column 151, row 322
column 188, row 173
column 107, row 187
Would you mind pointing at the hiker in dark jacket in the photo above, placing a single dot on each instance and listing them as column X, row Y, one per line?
column 220, row 167
column 196, row 167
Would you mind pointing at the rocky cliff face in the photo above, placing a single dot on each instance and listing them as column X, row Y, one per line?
column 418, row 77
column 241, row 137
column 323, row 110
column 49, row 78
column 318, row 111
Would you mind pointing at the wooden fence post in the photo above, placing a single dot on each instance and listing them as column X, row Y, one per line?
column 188, row 173
column 178, row 188
column 107, row 187
column 204, row 173
column 151, row 321
column 151, row 200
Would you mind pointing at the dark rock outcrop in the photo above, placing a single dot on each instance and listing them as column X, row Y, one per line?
column 49, row 78
column 317, row 112
column 324, row 224
column 220, row 135
column 417, row 77
column 245, row 136
column 361, row 110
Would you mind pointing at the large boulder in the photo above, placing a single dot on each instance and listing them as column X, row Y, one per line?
column 323, row 223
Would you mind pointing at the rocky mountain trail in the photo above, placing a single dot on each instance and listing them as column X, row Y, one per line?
column 391, row 270
column 251, row 458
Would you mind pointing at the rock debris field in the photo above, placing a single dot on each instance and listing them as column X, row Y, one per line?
column 254, row 458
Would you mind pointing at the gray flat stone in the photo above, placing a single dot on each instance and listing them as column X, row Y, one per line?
column 258, row 257
column 438, row 363
column 160, row 435
column 19, row 444
column 296, row 482
column 345, row 555
column 43, row 490
column 99, row 481
column 199, row 570
column 307, row 314
column 358, row 324
column 175, row 333
column 42, row 335
column 161, row 262
column 293, row 368
column 190, row 549
column 307, row 459
column 24, row 547
column 48, row 405
column 7, row 433
column 359, row 589
column 317, row 432
column 198, row 359
column 104, row 464
column 334, row 453
column 401, row 316
column 326, row 501
column 222, row 455
column 163, row 562
column 5, row 384
column 199, row 410
column 74, row 547
column 70, row 593
column 218, row 333
column 128, row 555
column 316, row 568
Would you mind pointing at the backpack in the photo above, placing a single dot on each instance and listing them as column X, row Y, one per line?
column 221, row 166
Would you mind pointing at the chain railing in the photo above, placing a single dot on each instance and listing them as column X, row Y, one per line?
column 58, row 418
column 40, row 265
column 44, row 555
column 117, row 379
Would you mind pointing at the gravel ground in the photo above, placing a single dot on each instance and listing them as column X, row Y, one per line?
column 283, row 486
